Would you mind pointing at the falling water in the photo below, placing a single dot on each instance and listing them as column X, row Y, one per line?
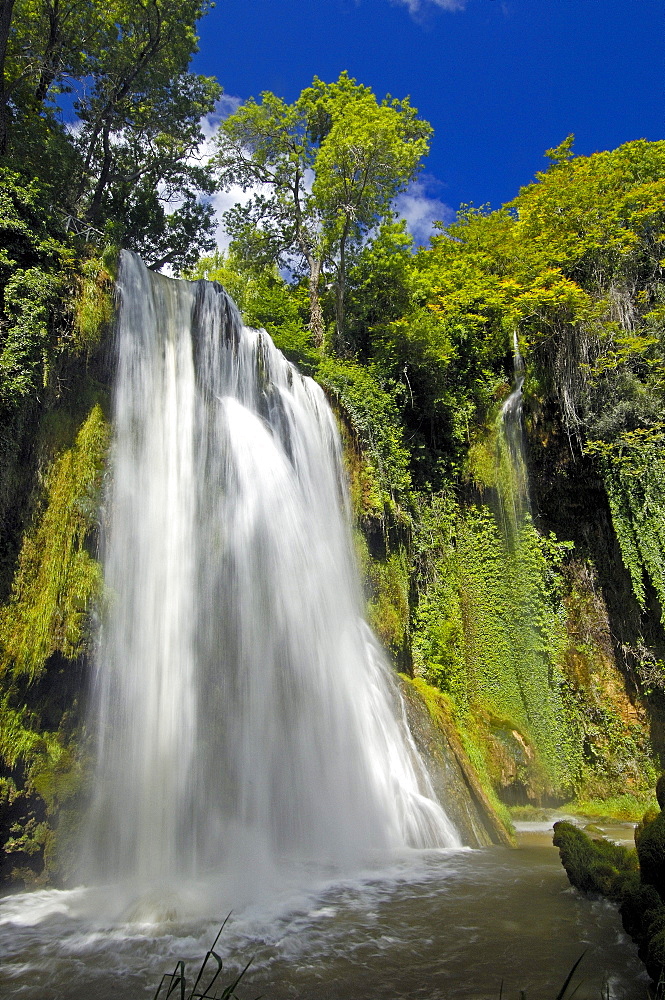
column 512, row 471
column 240, row 697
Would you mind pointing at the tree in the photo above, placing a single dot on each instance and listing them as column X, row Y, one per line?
column 324, row 172
column 45, row 44
column 6, row 12
column 131, row 160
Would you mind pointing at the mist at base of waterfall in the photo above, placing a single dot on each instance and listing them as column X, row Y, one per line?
column 436, row 925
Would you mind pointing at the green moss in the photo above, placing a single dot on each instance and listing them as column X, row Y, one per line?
column 367, row 497
column 634, row 879
column 489, row 630
column 371, row 412
column 625, row 808
column 633, row 470
column 593, row 865
column 476, row 750
column 57, row 579
column 481, row 461
column 650, row 843
column 94, row 304
column 515, row 630
column 443, row 712
column 43, row 626
column 388, row 607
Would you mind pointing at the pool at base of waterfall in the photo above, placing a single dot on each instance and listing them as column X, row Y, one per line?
column 435, row 925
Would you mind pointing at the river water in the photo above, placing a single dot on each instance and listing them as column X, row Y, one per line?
column 433, row 924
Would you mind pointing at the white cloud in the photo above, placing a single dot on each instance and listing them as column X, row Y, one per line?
column 222, row 201
column 226, row 105
column 418, row 6
column 421, row 210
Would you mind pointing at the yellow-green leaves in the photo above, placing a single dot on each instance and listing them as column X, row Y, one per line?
column 329, row 166
column 57, row 579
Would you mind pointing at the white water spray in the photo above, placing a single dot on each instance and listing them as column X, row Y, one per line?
column 512, row 470
column 240, row 697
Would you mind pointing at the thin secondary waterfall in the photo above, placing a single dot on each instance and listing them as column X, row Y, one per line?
column 240, row 697
column 512, row 472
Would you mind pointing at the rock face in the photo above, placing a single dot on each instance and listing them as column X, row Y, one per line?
column 634, row 880
column 453, row 777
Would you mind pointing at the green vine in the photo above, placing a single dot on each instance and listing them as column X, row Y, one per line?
column 633, row 469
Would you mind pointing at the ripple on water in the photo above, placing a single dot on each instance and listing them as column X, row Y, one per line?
column 436, row 925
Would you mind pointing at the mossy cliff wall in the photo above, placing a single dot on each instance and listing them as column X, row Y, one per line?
column 512, row 629
column 54, row 443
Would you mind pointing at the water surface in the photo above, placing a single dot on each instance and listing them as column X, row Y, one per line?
column 434, row 924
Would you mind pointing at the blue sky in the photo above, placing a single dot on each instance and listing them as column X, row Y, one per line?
column 500, row 80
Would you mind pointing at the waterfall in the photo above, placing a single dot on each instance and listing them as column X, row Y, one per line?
column 240, row 698
column 512, row 470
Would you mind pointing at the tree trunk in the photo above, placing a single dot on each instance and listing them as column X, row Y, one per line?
column 94, row 211
column 339, row 315
column 6, row 11
column 340, row 294
column 315, row 311
column 52, row 55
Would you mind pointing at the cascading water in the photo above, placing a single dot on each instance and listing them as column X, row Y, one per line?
column 243, row 707
column 512, row 471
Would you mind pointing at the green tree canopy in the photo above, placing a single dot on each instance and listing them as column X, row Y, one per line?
column 324, row 172
column 130, row 157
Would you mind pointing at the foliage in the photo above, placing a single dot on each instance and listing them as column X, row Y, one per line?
column 573, row 266
column 628, row 808
column 489, row 629
column 130, row 165
column 45, row 621
column 367, row 402
column 633, row 467
column 378, row 286
column 57, row 579
column 328, row 166
column 35, row 265
column 94, row 303
column 388, row 604
column 520, row 642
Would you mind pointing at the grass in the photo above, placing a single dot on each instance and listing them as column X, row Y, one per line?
column 207, row 983
column 625, row 808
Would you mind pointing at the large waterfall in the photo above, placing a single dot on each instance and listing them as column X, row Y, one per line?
column 243, row 708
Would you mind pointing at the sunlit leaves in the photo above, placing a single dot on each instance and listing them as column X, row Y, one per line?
column 325, row 171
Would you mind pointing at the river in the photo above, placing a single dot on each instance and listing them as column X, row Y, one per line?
column 435, row 925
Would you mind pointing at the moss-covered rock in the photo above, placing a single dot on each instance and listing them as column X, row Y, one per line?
column 593, row 865
column 650, row 843
column 633, row 879
column 57, row 578
column 44, row 635
column 468, row 801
